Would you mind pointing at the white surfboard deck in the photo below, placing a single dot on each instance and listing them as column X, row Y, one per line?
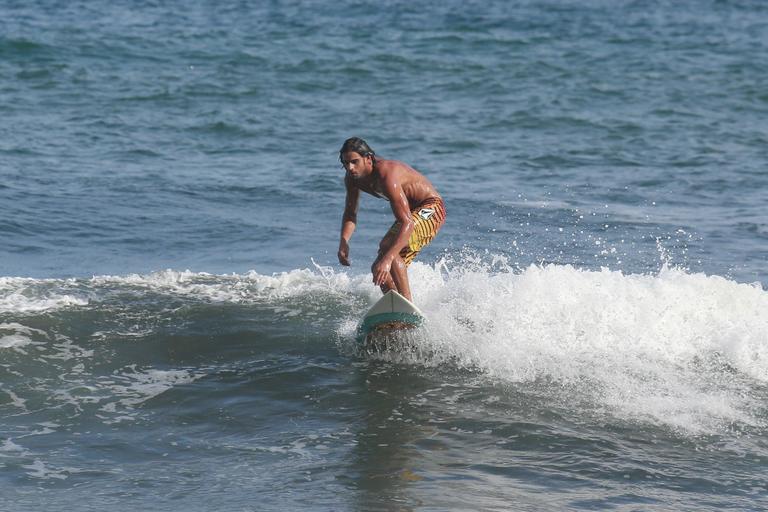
column 391, row 313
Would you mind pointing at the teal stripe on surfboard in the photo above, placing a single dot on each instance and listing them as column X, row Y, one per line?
column 383, row 318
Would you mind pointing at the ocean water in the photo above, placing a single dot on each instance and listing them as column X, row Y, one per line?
column 175, row 333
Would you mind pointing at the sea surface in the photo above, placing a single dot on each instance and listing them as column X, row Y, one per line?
column 176, row 333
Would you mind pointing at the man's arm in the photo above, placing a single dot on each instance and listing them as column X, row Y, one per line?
column 348, row 220
column 399, row 203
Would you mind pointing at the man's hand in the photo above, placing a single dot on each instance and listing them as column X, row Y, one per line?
column 344, row 253
column 381, row 270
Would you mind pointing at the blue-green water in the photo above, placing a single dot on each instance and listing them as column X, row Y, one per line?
column 175, row 333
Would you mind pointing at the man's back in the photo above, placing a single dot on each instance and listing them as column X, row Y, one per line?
column 416, row 187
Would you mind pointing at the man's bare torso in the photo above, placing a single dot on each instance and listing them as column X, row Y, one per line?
column 416, row 187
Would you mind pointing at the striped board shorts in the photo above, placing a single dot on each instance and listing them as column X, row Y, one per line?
column 428, row 218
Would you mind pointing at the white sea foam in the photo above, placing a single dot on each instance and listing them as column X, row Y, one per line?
column 9, row 448
column 684, row 350
column 14, row 341
column 235, row 288
column 16, row 336
column 39, row 469
column 26, row 295
column 136, row 387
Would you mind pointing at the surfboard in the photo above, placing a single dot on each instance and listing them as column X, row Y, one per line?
column 392, row 313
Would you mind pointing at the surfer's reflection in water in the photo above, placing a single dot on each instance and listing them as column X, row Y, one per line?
column 417, row 206
column 386, row 452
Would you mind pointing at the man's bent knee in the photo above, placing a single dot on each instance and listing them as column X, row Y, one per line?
column 398, row 262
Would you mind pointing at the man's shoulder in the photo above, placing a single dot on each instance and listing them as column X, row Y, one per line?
column 391, row 169
column 389, row 164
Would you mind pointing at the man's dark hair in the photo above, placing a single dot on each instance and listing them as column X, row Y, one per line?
column 357, row 145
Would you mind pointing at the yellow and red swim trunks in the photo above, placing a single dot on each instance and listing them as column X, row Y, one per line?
column 428, row 218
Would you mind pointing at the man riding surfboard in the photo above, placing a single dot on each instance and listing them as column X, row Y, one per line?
column 418, row 209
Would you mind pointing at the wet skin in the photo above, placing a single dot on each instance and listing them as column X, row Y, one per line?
column 405, row 188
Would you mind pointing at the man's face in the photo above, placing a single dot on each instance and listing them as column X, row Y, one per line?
column 356, row 165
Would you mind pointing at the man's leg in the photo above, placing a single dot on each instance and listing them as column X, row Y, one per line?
column 428, row 218
column 398, row 272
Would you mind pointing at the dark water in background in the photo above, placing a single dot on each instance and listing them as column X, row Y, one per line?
column 175, row 333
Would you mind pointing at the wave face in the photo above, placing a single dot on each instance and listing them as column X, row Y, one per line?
column 679, row 350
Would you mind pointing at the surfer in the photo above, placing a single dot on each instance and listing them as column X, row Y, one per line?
column 418, row 208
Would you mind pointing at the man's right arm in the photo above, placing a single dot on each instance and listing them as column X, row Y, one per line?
column 348, row 220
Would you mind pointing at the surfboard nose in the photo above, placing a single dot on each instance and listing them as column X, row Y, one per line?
column 391, row 312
